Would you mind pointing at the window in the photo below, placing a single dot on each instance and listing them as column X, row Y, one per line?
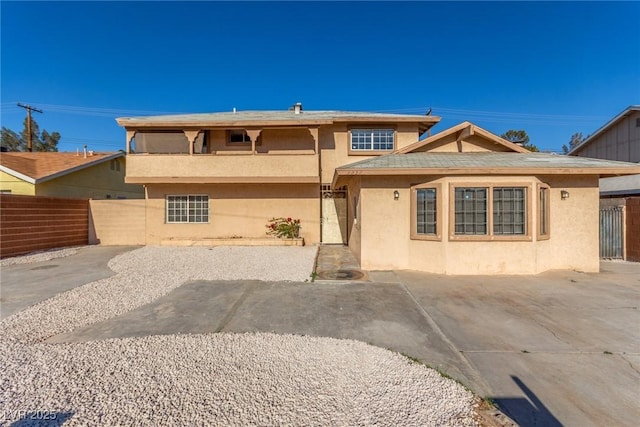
column 187, row 209
column 509, row 210
column 490, row 212
column 115, row 165
column 470, row 211
column 372, row 139
column 425, row 212
column 238, row 136
column 543, row 213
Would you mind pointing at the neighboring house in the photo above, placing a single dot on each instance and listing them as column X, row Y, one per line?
column 618, row 139
column 464, row 201
column 94, row 176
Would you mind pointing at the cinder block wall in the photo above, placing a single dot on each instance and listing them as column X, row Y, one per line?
column 32, row 223
column 633, row 229
column 117, row 222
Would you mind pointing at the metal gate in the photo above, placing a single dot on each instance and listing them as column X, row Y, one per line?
column 612, row 232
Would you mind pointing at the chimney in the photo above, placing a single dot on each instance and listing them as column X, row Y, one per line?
column 297, row 108
column 85, row 151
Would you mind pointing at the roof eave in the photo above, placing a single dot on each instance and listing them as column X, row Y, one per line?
column 131, row 123
column 17, row 174
column 602, row 171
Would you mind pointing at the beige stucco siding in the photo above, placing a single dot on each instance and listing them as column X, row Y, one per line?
column 117, row 222
column 335, row 140
column 270, row 140
column 216, row 166
column 574, row 242
column 620, row 142
column 469, row 144
column 385, row 241
column 9, row 183
column 235, row 210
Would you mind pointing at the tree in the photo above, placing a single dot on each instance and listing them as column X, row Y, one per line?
column 576, row 139
column 41, row 141
column 519, row 137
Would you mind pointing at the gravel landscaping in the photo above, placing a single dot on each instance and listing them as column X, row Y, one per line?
column 148, row 273
column 209, row 379
column 229, row 379
column 39, row 256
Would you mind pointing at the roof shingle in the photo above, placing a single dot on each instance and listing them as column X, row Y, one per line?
column 40, row 165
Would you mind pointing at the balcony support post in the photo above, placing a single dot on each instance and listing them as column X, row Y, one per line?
column 130, row 135
column 314, row 135
column 191, row 137
column 253, row 134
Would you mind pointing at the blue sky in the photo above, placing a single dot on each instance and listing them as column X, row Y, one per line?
column 551, row 69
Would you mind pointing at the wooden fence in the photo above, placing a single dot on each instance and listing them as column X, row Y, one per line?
column 32, row 223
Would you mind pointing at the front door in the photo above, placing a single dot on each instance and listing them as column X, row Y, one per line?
column 334, row 216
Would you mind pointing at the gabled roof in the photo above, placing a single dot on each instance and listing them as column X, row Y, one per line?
column 38, row 167
column 272, row 118
column 484, row 163
column 630, row 109
column 464, row 130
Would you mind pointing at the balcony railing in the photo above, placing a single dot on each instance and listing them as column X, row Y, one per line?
column 294, row 166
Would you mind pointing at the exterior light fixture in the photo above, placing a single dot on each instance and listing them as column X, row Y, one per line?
column 396, row 195
column 564, row 194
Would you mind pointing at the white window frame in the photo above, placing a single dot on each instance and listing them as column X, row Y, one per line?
column 192, row 218
column 371, row 135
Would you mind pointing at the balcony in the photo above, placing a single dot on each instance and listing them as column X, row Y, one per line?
column 295, row 166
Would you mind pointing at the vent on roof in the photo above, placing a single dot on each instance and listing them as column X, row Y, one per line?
column 296, row 108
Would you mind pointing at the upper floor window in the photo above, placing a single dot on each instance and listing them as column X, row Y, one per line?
column 372, row 139
column 238, row 136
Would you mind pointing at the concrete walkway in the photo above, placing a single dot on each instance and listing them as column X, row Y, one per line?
column 560, row 348
column 337, row 262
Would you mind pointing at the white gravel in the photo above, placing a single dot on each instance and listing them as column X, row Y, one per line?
column 228, row 379
column 212, row 379
column 148, row 273
column 39, row 256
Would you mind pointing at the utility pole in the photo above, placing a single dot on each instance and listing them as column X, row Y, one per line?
column 29, row 108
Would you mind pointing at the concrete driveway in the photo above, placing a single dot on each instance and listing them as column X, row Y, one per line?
column 560, row 348
column 23, row 285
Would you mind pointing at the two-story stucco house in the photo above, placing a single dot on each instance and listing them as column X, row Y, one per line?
column 463, row 201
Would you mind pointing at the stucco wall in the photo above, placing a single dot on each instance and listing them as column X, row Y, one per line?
column 236, row 210
column 117, row 222
column 334, row 145
column 13, row 185
column 385, row 241
column 470, row 144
